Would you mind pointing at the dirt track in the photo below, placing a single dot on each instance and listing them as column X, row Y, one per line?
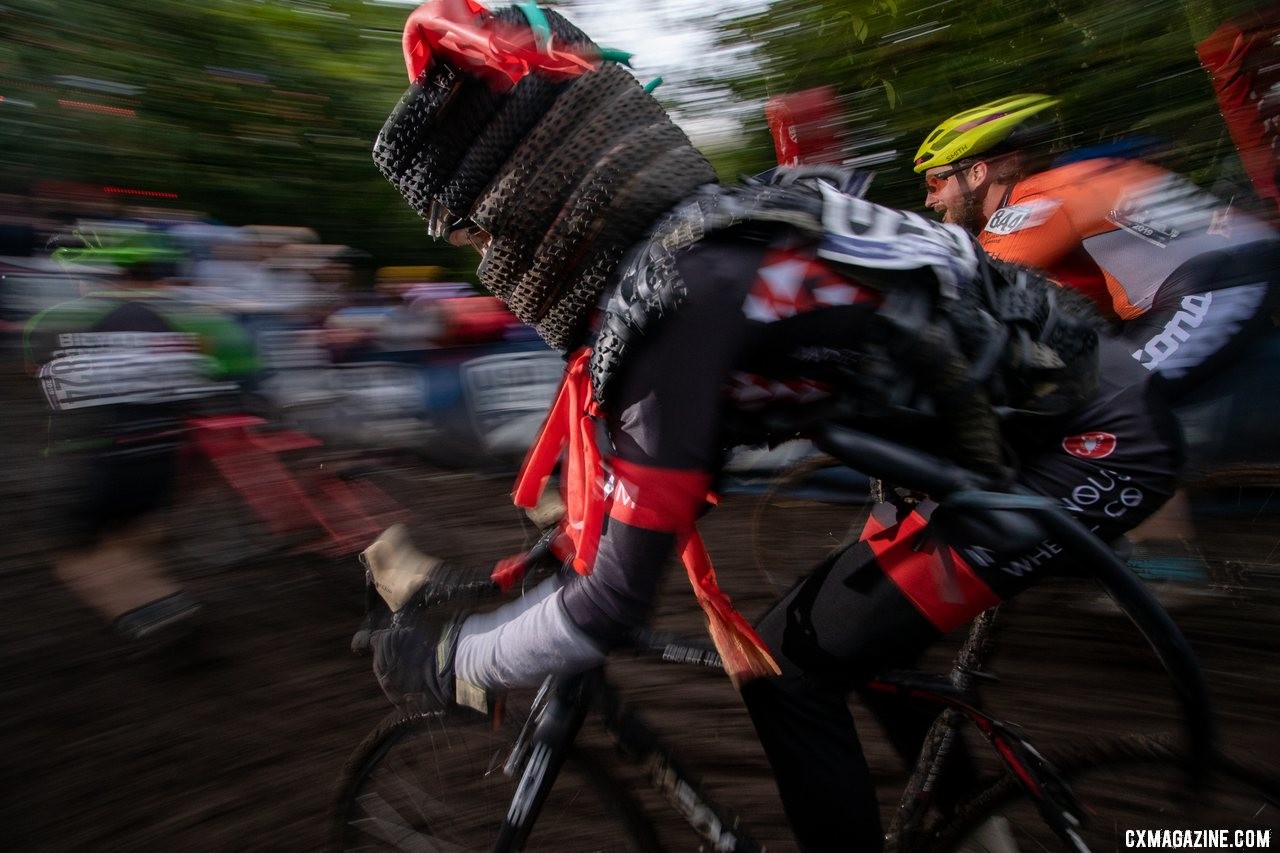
column 103, row 753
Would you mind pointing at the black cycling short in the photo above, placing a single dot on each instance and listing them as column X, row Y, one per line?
column 111, row 488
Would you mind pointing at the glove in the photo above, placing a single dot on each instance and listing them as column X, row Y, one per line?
column 413, row 651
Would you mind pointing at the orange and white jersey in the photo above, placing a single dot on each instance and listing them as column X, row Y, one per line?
column 1113, row 229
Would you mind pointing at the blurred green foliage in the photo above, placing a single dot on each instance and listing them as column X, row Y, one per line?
column 1122, row 68
column 249, row 110
column 265, row 110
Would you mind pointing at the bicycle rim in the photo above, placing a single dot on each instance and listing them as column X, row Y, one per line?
column 792, row 532
column 434, row 782
column 1128, row 787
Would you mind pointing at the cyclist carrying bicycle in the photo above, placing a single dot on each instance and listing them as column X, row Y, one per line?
column 1193, row 280
column 697, row 317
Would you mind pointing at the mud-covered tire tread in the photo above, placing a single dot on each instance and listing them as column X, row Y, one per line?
column 566, row 166
column 438, row 120
column 581, row 219
column 446, row 142
column 574, row 106
column 635, row 209
column 405, row 129
column 491, row 147
column 512, row 252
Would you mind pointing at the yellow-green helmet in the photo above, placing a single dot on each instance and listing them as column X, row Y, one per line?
column 979, row 129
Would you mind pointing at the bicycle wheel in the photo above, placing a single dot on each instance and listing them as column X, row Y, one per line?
column 801, row 519
column 434, row 782
column 1128, row 786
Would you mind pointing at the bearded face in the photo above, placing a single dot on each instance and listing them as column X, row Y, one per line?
column 953, row 194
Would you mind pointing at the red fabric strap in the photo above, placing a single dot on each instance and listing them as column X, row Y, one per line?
column 570, row 425
column 668, row 500
column 652, row 498
column 935, row 579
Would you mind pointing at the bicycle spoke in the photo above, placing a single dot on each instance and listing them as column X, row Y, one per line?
column 387, row 825
column 432, row 785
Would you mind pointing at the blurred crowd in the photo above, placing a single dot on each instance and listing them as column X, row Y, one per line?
column 301, row 299
column 156, row 337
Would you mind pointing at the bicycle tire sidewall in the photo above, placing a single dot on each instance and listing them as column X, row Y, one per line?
column 632, row 820
column 394, row 726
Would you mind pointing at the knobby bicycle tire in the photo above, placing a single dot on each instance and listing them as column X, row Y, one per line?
column 1127, row 783
column 434, row 782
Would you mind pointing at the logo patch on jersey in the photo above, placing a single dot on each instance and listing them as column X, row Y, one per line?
column 1016, row 217
column 1090, row 445
column 1161, row 209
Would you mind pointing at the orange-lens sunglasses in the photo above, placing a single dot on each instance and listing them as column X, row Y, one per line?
column 935, row 182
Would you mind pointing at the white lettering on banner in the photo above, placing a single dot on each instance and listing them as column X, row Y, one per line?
column 1197, row 839
column 129, row 340
column 107, row 376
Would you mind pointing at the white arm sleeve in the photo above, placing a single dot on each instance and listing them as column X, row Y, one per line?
column 520, row 643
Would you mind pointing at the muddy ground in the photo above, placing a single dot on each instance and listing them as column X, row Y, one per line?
column 240, row 751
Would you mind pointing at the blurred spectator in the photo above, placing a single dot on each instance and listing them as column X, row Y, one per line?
column 233, row 276
column 18, row 234
column 313, row 279
column 121, row 368
column 1242, row 57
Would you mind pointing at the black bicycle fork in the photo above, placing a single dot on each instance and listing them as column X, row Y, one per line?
column 548, row 734
column 540, row 751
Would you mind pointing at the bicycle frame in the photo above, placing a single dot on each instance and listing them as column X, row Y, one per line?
column 558, row 714
column 1060, row 808
column 561, row 708
column 336, row 517
column 964, row 490
column 560, row 711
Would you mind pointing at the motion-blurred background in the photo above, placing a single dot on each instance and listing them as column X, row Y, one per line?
column 375, row 383
column 264, row 112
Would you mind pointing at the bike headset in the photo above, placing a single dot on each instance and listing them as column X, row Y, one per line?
column 995, row 128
